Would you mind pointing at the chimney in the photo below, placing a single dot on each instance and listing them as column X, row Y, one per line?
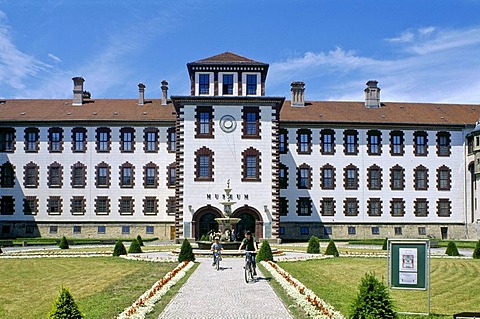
column 164, row 92
column 298, row 96
column 78, row 90
column 372, row 95
column 141, row 94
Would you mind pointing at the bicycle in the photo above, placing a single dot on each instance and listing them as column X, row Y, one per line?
column 248, row 266
column 216, row 259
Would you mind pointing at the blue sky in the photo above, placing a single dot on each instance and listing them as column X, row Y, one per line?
column 419, row 51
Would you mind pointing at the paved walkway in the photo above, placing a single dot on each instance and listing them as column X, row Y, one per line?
column 209, row 293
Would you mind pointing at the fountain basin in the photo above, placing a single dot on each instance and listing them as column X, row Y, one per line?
column 228, row 245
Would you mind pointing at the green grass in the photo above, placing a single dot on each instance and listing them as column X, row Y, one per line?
column 455, row 283
column 102, row 286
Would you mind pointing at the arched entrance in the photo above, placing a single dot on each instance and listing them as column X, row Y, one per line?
column 204, row 221
column 250, row 219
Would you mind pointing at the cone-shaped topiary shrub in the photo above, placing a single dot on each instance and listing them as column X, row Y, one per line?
column 313, row 245
column 186, row 252
column 373, row 300
column 385, row 243
column 140, row 240
column 452, row 249
column 63, row 243
column 65, row 307
column 134, row 247
column 265, row 252
column 119, row 249
column 1, row 250
column 476, row 251
column 332, row 249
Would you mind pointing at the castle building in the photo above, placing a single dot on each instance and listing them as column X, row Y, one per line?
column 108, row 168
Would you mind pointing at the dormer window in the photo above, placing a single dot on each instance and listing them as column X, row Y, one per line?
column 204, row 84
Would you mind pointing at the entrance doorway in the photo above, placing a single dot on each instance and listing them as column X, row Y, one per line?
column 204, row 221
column 444, row 231
column 250, row 219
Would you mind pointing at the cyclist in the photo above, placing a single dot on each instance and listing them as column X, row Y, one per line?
column 216, row 246
column 250, row 245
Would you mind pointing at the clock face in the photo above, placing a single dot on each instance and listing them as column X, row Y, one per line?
column 228, row 124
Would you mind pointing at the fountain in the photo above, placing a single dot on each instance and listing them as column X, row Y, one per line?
column 225, row 224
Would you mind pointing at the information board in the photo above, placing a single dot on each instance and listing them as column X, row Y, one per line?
column 409, row 264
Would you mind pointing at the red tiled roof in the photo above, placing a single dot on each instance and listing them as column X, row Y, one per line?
column 227, row 58
column 389, row 113
column 92, row 110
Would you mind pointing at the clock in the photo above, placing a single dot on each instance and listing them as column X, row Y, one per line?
column 228, row 123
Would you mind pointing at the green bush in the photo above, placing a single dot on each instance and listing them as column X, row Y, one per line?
column 265, row 252
column 205, row 238
column 135, row 247
column 385, row 243
column 63, row 243
column 140, row 240
column 186, row 252
column 332, row 249
column 373, row 300
column 476, row 251
column 452, row 249
column 313, row 245
column 65, row 307
column 119, row 249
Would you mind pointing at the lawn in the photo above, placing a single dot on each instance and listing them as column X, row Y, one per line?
column 101, row 286
column 455, row 283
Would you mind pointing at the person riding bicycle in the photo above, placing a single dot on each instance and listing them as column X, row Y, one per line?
column 250, row 245
column 216, row 247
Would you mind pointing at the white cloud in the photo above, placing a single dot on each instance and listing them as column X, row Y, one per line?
column 54, row 58
column 406, row 36
column 15, row 66
column 440, row 66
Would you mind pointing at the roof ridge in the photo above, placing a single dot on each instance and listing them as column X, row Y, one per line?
column 227, row 57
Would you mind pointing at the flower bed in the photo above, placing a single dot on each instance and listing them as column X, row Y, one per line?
column 145, row 303
column 311, row 304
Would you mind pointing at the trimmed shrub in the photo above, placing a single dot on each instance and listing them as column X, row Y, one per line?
column 205, row 238
column 265, row 252
column 476, row 251
column 119, row 249
column 332, row 249
column 63, row 243
column 186, row 252
column 135, row 247
column 385, row 243
column 372, row 301
column 140, row 240
column 452, row 249
column 313, row 245
column 65, row 307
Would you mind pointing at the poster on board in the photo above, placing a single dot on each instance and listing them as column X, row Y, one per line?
column 408, row 259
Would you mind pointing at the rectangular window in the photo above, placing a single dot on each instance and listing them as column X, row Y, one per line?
column 304, row 230
column 420, row 140
column 396, row 143
column 398, row 231
column 172, row 140
column 7, row 205
column 421, row 207
column 374, row 207
column 171, row 176
column 304, row 206
column 204, row 122
column 53, row 229
column 102, row 176
column 251, row 166
column 443, row 144
column 327, row 206
column 150, row 206
column 127, row 142
column 204, row 169
column 283, row 141
column 125, row 230
column 352, row 230
column 283, row 209
column 281, row 230
column 444, row 207
column 54, row 204
column 78, row 177
column 101, row 229
column 374, row 144
column 77, row 229
column 31, row 176
column 304, row 146
column 150, row 176
column 351, row 175
column 31, row 140
column 79, row 141
column 55, row 139
column 204, row 84
column 103, row 141
column 375, row 230
column 127, row 178
column 251, row 84
column 327, row 230
column 78, row 205
column 151, row 142
column 327, row 143
column 227, row 88
column 30, row 205
column 7, row 137
column 149, row 230
column 102, row 205
column 351, row 207
column 126, row 205
column 397, row 207
column 303, row 178
column 350, row 142
column 422, row 231
column 171, row 206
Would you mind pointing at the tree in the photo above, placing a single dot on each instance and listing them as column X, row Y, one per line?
column 385, row 243
column 476, row 251
column 65, row 307
column 119, row 249
column 332, row 249
column 452, row 249
column 265, row 252
column 134, row 247
column 140, row 240
column 313, row 245
column 186, row 252
column 63, row 243
column 372, row 301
